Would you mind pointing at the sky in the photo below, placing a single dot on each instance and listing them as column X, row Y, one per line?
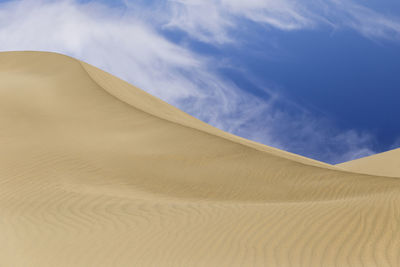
column 319, row 78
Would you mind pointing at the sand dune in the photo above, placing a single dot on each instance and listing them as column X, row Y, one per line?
column 95, row 172
column 385, row 164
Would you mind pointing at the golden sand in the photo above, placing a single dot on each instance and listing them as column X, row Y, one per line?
column 387, row 164
column 96, row 172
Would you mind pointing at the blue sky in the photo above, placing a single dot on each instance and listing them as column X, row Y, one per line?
column 317, row 78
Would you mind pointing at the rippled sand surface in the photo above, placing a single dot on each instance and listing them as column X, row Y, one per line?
column 95, row 172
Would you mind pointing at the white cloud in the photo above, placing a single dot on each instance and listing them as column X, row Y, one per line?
column 202, row 19
column 213, row 20
column 303, row 133
column 129, row 45
column 367, row 21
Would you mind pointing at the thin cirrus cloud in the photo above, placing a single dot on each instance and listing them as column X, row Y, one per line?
column 129, row 43
column 212, row 20
column 368, row 22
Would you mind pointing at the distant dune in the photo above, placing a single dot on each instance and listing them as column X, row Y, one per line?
column 96, row 172
column 386, row 164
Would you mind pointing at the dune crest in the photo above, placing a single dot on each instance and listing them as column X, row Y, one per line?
column 95, row 172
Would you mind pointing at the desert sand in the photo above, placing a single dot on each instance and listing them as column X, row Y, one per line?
column 96, row 172
column 387, row 164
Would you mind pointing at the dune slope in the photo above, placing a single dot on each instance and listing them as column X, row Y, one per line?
column 95, row 172
column 385, row 164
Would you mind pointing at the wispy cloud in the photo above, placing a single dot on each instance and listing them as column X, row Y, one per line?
column 128, row 43
column 214, row 20
column 366, row 21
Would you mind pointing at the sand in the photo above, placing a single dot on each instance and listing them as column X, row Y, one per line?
column 387, row 164
column 96, row 172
